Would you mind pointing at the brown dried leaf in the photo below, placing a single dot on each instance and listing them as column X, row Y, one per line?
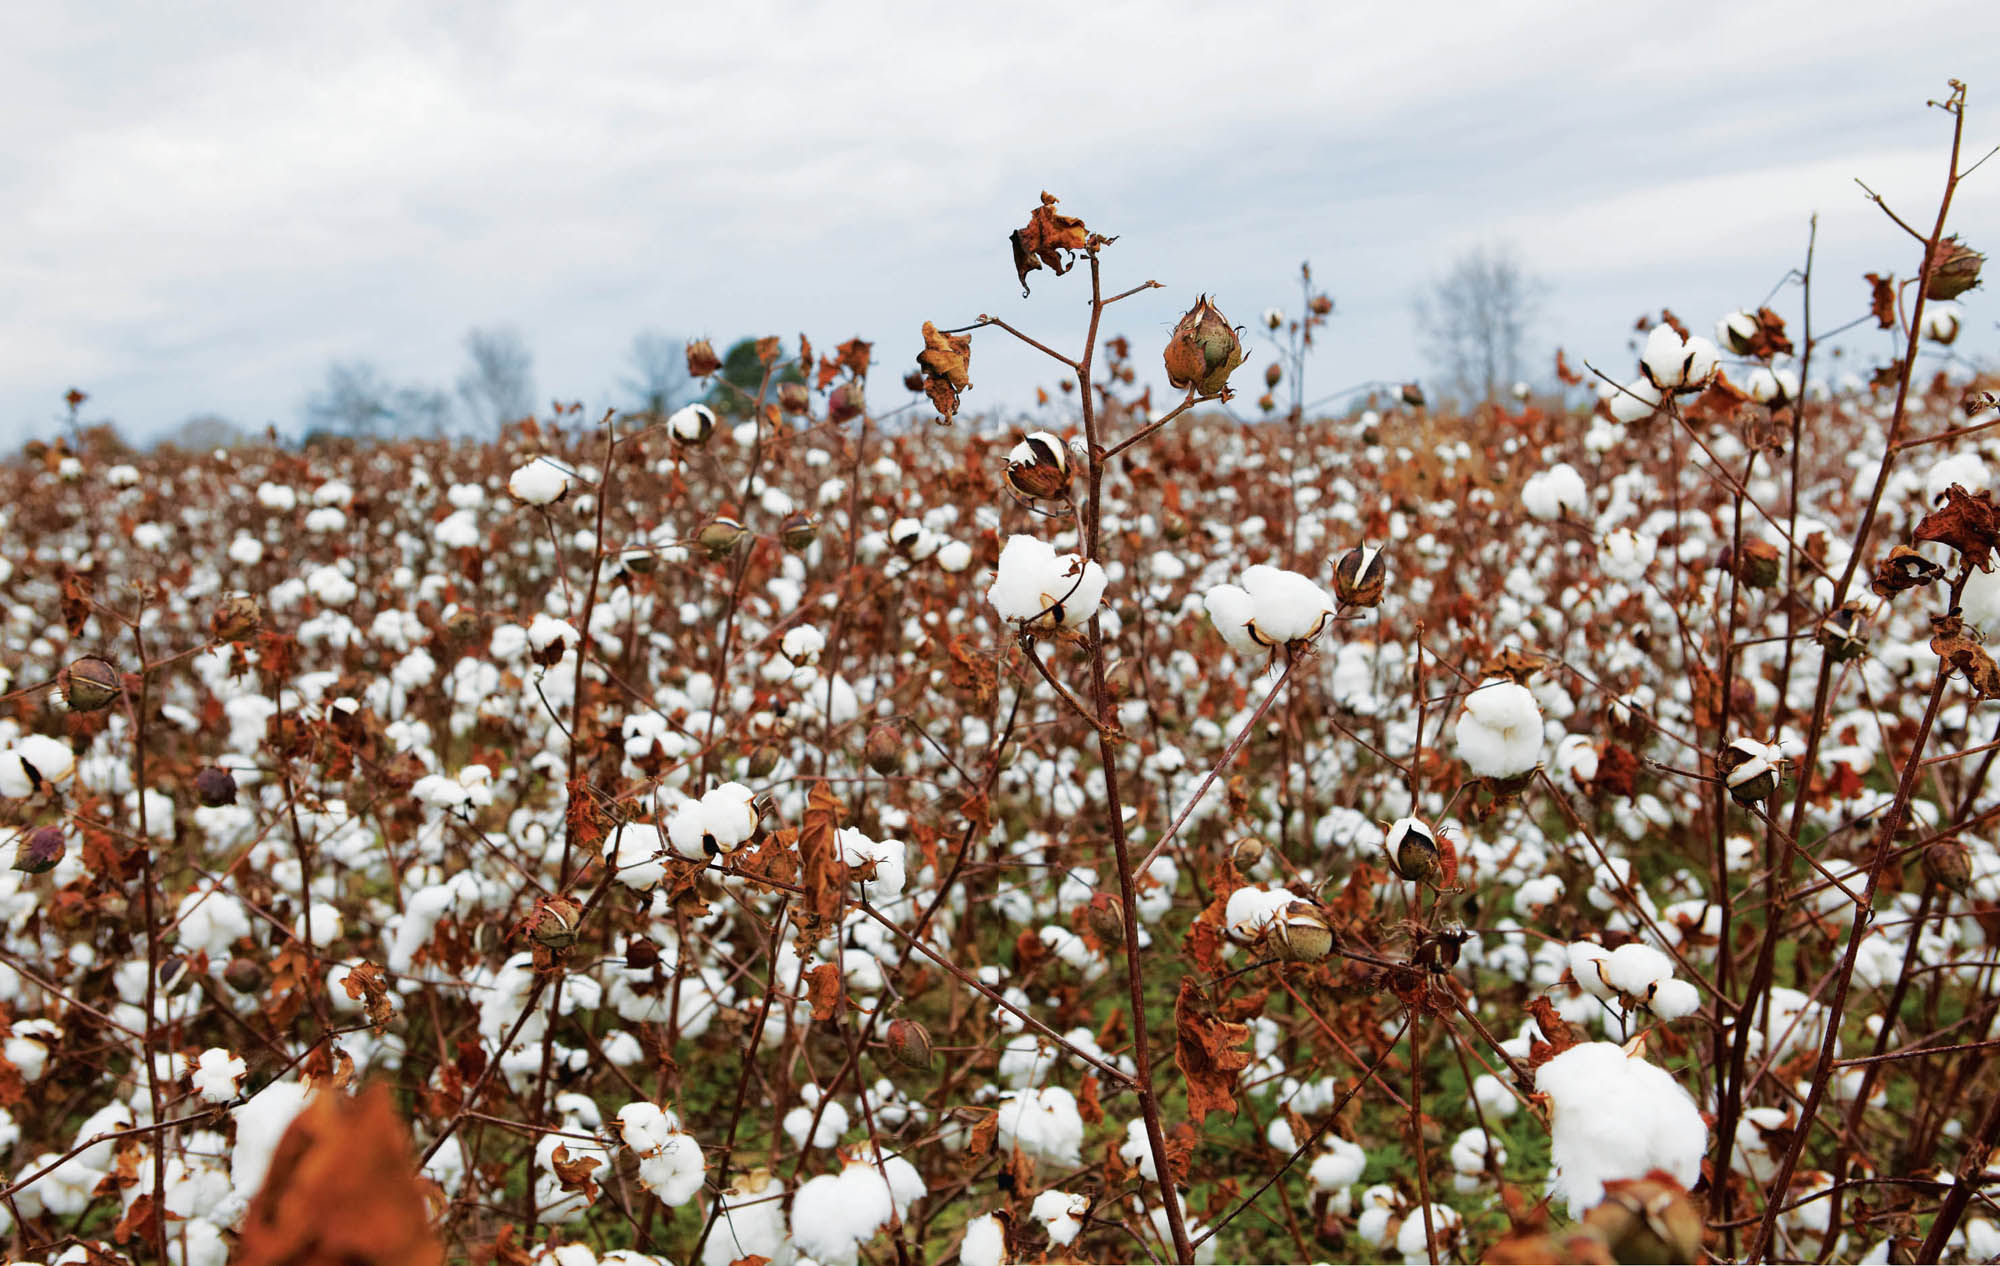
column 1205, row 1052
column 824, row 874
column 1882, row 300
column 1556, row 1029
column 364, row 980
column 1902, row 570
column 574, row 1174
column 1088, row 1105
column 1050, row 238
column 946, row 362
column 1769, row 340
column 823, row 988
column 342, row 1190
column 1963, row 653
column 1967, row 522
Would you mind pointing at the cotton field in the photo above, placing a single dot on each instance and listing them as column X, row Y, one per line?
column 834, row 826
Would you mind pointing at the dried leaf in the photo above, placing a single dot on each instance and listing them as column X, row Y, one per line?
column 946, row 362
column 1050, row 238
column 1769, row 340
column 1554, row 1028
column 574, row 1174
column 1902, row 570
column 1882, row 300
column 823, row 988
column 1963, row 653
column 364, row 980
column 1205, row 1050
column 1087, row 1104
column 823, row 872
column 1967, row 522
column 341, row 1190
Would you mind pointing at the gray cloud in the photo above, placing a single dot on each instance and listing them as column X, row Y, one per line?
column 205, row 205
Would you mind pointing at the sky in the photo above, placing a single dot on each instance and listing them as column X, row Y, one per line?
column 204, row 205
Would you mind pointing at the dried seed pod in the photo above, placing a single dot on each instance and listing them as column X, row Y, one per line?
column 720, row 536
column 1756, row 565
column 1360, row 577
column 1245, row 853
column 1647, row 1220
column 794, row 397
column 1105, row 915
column 1039, row 466
column 1273, row 374
column 215, row 787
column 1840, row 633
column 846, row 402
column 763, row 760
column 1301, row 933
column 89, row 683
column 1412, row 395
column 1954, row 270
column 884, row 749
column 1413, row 851
column 553, row 923
column 1174, row 527
column 1749, row 769
column 701, row 358
column 245, row 975
column 1203, row 350
column 909, row 1043
column 1947, row 864
column 236, row 617
column 798, row 531
column 40, row 850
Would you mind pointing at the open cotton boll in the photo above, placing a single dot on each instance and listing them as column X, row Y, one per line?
column 1414, row 1237
column 985, row 1242
column 1286, row 606
column 719, row 823
column 802, row 644
column 1547, row 493
column 634, row 849
column 1625, row 555
column 1665, row 357
column 1062, row 1214
column 1586, row 961
column 539, row 482
column 1635, row 401
column 1231, row 609
column 218, row 1075
column 1614, row 1115
column 1500, row 732
column 1339, row 1166
column 1250, row 909
column 1044, row 589
column 1772, row 386
column 1045, row 1123
column 34, row 760
column 1635, row 968
column 749, row 1224
column 1674, row 999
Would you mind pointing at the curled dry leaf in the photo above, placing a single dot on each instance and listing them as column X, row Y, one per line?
column 1882, row 300
column 1206, row 1051
column 1968, row 522
column 1903, row 569
column 342, row 1190
column 1962, row 653
column 1050, row 238
column 946, row 362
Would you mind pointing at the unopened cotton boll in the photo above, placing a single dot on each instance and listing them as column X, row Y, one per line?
column 1615, row 1115
column 1500, row 731
column 538, row 483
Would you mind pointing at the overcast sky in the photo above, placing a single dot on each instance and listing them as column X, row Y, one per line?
column 203, row 205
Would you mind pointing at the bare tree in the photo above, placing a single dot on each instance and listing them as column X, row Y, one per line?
column 659, row 379
column 1474, row 322
column 499, row 386
column 422, row 410
column 354, row 400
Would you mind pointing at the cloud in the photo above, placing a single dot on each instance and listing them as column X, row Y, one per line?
column 207, row 205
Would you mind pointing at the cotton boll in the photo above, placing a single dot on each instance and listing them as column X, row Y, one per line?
column 1037, row 586
column 1500, row 732
column 1338, row 1167
column 1137, row 1150
column 985, row 1242
column 1586, row 961
column 1045, row 1123
column 539, row 482
column 1548, row 493
column 1635, row 968
column 954, row 556
column 218, row 1075
column 1675, row 999
column 1635, row 401
column 1614, row 1115
column 1964, row 469
column 1232, row 610
column 1625, row 555
column 634, row 850
column 1062, row 1214
column 749, row 1224
column 1665, row 357
column 1288, row 607
column 1414, row 1237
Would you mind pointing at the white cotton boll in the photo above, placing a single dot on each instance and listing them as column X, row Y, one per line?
column 276, row 497
column 954, row 556
column 634, row 851
column 1772, row 386
column 1287, row 607
column 1372, row 1227
column 1232, row 610
column 218, row 1075
column 246, row 550
column 1469, row 1152
column 1045, row 1123
column 1137, row 1151
column 833, row 1123
column 1635, row 401
column 1045, row 589
column 260, row 1123
column 539, row 482
column 1339, row 1166
column 1250, row 910
column 1675, row 999
column 1980, row 602
column 1665, row 357
column 1613, row 1115
column 1062, row 1214
column 1493, row 1096
column 331, row 587
column 692, row 423
column 457, row 530
column 1548, row 493
column 985, row 1242
column 749, row 1224
column 1541, row 890
column 1414, row 1237
column 1500, row 732
column 547, row 632
column 802, row 644
column 1586, row 961
column 674, row 1171
column 1964, row 469
column 1279, row 1135
column 1634, row 969
column 1941, row 323
column 1625, row 555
